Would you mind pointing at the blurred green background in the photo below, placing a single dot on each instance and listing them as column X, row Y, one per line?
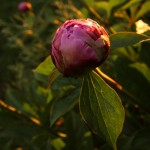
column 34, row 116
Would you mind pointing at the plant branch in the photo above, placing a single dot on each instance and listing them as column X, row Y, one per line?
column 32, row 119
column 12, row 109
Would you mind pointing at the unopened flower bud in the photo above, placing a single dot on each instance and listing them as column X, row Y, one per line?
column 24, row 6
column 78, row 46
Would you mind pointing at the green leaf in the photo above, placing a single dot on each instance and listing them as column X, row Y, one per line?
column 58, row 144
column 144, row 9
column 131, row 4
column 103, row 7
column 77, row 131
column 53, row 76
column 89, row 2
column 142, row 68
column 122, row 39
column 62, row 105
column 101, row 108
column 101, row 4
column 46, row 67
column 113, row 4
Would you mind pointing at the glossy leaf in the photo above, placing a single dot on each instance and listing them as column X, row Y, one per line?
column 123, row 39
column 45, row 67
column 101, row 108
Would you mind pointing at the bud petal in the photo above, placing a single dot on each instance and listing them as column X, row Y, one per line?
column 24, row 6
column 79, row 45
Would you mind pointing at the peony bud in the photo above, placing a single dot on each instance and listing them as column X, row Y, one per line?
column 78, row 46
column 24, row 6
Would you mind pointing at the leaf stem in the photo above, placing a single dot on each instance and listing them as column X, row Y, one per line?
column 119, row 87
column 116, row 84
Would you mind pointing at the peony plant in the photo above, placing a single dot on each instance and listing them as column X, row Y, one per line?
column 78, row 47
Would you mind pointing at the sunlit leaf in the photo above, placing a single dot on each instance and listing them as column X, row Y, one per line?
column 58, row 143
column 45, row 67
column 101, row 108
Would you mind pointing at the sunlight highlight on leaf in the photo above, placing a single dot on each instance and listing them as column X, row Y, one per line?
column 45, row 67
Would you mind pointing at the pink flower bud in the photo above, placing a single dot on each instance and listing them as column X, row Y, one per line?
column 79, row 45
column 24, row 6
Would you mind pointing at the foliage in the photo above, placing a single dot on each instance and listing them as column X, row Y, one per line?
column 40, row 109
